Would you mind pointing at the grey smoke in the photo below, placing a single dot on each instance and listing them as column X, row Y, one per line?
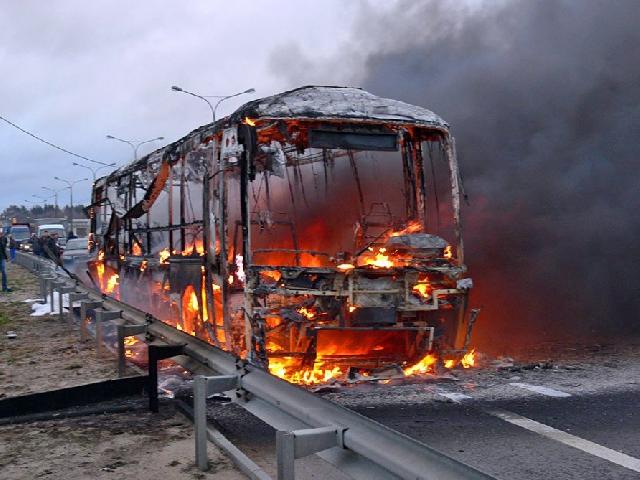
column 544, row 99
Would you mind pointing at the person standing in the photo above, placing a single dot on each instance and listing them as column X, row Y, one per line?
column 35, row 244
column 13, row 245
column 43, row 243
column 3, row 261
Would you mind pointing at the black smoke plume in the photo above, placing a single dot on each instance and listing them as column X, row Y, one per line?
column 544, row 100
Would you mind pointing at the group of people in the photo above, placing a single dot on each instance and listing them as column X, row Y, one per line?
column 46, row 246
column 43, row 246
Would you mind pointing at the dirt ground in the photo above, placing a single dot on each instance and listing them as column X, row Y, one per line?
column 47, row 355
column 137, row 445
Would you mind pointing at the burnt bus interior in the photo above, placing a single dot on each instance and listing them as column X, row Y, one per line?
column 311, row 232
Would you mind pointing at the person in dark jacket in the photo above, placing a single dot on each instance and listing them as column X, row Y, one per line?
column 42, row 241
column 3, row 261
column 35, row 244
column 52, row 249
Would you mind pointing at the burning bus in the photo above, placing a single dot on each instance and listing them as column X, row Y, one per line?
column 315, row 233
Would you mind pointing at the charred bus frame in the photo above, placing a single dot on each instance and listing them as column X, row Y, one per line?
column 181, row 231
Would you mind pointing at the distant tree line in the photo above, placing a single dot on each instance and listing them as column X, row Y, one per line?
column 23, row 213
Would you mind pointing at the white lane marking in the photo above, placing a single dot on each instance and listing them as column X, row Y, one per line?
column 595, row 449
column 549, row 392
column 453, row 396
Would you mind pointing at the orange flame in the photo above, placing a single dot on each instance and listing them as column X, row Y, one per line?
column 136, row 250
column 249, row 121
column 164, row 255
column 307, row 313
column 423, row 288
column 448, row 252
column 379, row 260
column 425, row 365
column 284, row 369
column 112, row 283
column 469, row 359
column 345, row 267
column 449, row 363
column 413, row 227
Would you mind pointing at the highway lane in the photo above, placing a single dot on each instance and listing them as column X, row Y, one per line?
column 469, row 431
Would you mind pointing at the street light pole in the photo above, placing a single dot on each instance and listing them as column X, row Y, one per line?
column 43, row 200
column 55, row 195
column 133, row 144
column 221, row 98
column 93, row 171
column 70, row 184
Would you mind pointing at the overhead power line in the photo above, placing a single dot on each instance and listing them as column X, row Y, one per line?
column 49, row 143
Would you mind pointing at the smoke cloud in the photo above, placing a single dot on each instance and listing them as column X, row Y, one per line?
column 544, row 100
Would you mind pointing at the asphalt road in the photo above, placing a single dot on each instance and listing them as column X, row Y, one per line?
column 552, row 423
column 470, row 431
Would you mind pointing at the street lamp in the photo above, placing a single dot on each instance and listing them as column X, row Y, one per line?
column 70, row 184
column 133, row 144
column 94, row 171
column 221, row 98
column 55, row 195
column 43, row 200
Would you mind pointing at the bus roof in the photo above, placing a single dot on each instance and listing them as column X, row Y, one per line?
column 337, row 103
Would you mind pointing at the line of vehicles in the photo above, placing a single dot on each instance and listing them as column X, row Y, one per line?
column 70, row 237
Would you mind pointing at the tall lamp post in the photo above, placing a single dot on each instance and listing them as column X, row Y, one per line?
column 43, row 200
column 70, row 184
column 94, row 171
column 133, row 144
column 26, row 200
column 55, row 196
column 221, row 98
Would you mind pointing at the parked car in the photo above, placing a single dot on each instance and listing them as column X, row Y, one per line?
column 75, row 252
column 21, row 233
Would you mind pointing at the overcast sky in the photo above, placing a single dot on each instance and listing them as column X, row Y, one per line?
column 74, row 71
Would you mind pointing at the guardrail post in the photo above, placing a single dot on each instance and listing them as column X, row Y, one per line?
column 158, row 352
column 61, row 291
column 301, row 443
column 285, row 455
column 84, row 307
column 123, row 331
column 74, row 297
column 203, row 387
column 44, row 286
column 103, row 316
column 52, row 285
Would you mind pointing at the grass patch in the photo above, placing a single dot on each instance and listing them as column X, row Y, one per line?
column 4, row 319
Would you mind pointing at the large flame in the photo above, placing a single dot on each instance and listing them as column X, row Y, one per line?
column 379, row 259
column 286, row 368
column 424, row 366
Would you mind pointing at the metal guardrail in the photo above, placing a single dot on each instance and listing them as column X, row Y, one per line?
column 358, row 446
